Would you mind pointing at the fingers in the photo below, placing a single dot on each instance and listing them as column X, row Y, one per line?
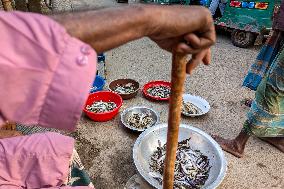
column 194, row 44
column 198, row 42
column 203, row 56
column 207, row 58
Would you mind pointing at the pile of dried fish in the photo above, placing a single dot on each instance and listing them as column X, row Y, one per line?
column 140, row 120
column 191, row 166
column 189, row 108
column 125, row 89
column 100, row 107
column 159, row 91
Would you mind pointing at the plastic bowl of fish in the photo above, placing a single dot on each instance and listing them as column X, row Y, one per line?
column 194, row 106
column 103, row 105
column 98, row 84
column 126, row 88
column 139, row 118
column 200, row 162
column 157, row 90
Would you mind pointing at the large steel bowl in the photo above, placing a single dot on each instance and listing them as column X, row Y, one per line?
column 147, row 143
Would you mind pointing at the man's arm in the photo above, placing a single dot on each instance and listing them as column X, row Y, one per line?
column 107, row 28
column 188, row 29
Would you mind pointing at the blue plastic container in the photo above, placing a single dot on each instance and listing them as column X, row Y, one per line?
column 101, row 57
column 98, row 84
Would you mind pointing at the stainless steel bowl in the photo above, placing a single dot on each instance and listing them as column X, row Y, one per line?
column 137, row 109
column 147, row 143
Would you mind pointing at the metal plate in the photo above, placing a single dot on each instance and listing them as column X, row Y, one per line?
column 147, row 143
column 137, row 109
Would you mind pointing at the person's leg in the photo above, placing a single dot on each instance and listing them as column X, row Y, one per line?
column 234, row 146
column 265, row 119
column 268, row 112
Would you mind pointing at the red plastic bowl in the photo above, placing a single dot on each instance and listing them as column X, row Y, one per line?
column 106, row 96
column 152, row 84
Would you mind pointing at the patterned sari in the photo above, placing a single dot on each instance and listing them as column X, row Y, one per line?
column 266, row 116
column 264, row 60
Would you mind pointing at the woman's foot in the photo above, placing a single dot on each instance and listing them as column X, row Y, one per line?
column 236, row 146
column 230, row 146
column 277, row 142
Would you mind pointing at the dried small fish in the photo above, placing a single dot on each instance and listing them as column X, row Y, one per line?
column 191, row 166
column 125, row 88
column 189, row 108
column 159, row 91
column 100, row 107
column 140, row 120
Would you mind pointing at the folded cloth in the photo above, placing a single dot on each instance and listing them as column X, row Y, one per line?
column 35, row 161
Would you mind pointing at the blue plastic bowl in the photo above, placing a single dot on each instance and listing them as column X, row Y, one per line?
column 98, row 84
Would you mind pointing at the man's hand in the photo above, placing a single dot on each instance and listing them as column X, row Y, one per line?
column 188, row 30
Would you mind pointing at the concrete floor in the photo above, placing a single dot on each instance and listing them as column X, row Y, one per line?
column 106, row 148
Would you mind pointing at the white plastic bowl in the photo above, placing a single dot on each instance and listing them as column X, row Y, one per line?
column 201, row 103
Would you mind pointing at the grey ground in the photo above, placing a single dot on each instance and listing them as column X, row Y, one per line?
column 106, row 148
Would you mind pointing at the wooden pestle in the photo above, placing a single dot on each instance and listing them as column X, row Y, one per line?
column 177, row 88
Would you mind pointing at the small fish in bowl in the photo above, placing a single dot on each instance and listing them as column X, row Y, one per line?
column 139, row 118
column 194, row 106
column 157, row 90
column 190, row 108
column 191, row 166
column 101, row 107
column 127, row 88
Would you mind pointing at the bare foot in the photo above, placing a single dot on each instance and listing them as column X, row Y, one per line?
column 230, row 146
column 277, row 142
column 9, row 133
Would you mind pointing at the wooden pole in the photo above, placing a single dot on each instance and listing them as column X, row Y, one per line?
column 7, row 5
column 177, row 88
